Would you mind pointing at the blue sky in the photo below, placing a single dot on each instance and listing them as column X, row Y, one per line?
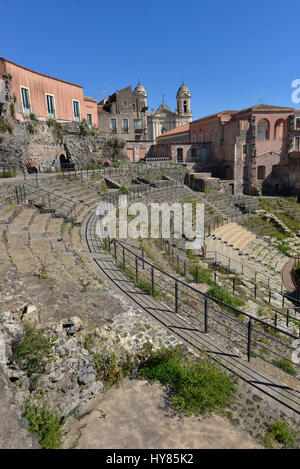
column 231, row 54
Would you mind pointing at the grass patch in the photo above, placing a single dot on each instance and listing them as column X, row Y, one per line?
column 33, row 352
column 221, row 294
column 190, row 254
column 45, row 422
column 201, row 275
column 8, row 173
column 279, row 432
column 196, row 386
column 285, row 365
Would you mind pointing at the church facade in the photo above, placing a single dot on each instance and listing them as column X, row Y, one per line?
column 163, row 119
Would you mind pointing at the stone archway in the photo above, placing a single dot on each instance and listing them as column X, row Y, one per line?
column 64, row 161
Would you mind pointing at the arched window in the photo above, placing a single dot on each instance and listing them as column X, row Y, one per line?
column 279, row 129
column 184, row 106
column 261, row 172
column 163, row 130
column 263, row 130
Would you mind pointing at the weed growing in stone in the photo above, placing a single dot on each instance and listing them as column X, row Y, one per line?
column 279, row 432
column 45, row 422
column 285, row 365
column 33, row 352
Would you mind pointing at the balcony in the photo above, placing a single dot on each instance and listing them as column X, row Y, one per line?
column 125, row 130
column 113, row 131
column 138, row 131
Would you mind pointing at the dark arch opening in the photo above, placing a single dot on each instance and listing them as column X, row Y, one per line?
column 66, row 163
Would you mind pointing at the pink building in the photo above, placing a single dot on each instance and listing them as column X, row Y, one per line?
column 47, row 97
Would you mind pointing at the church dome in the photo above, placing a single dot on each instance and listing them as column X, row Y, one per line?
column 183, row 91
column 139, row 89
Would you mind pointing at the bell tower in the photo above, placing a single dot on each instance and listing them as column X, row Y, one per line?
column 183, row 98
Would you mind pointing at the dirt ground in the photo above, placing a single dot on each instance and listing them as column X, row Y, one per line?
column 136, row 416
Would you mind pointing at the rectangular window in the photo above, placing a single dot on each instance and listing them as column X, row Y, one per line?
column 245, row 146
column 113, row 125
column 297, row 123
column 89, row 121
column 25, row 100
column 297, row 144
column 133, row 107
column 138, row 124
column 76, row 110
column 50, row 105
column 125, row 125
column 124, row 104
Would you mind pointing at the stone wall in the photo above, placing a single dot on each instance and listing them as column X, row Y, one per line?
column 34, row 140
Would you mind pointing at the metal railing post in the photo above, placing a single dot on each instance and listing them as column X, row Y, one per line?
column 115, row 249
column 136, row 269
column 152, row 281
column 176, row 297
column 249, row 339
column 205, row 315
column 17, row 194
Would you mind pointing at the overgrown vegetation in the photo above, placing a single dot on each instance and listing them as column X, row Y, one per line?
column 57, row 130
column 116, row 144
column 33, row 117
column 201, row 275
column 196, row 386
column 221, row 294
column 123, row 190
column 12, row 110
column 33, row 352
column 279, row 432
column 30, row 128
column 5, row 125
column 8, row 173
column 112, row 362
column 285, row 365
column 45, row 422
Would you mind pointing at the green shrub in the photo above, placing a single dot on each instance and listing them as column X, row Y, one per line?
column 5, row 125
column 196, row 386
column 83, row 128
column 33, row 117
column 33, row 352
column 280, row 432
column 221, row 294
column 57, row 129
column 45, row 422
column 30, row 128
column 12, row 110
column 285, row 365
column 123, row 190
